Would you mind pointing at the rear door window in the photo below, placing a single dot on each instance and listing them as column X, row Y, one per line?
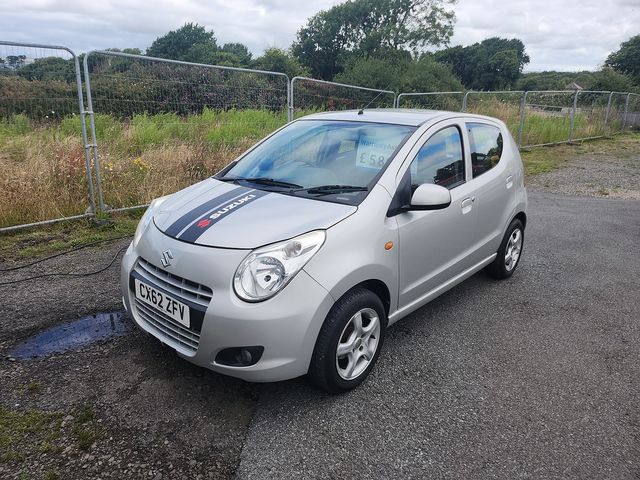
column 485, row 142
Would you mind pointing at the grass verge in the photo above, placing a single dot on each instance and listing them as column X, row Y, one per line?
column 63, row 236
column 545, row 159
column 31, row 433
column 25, row 433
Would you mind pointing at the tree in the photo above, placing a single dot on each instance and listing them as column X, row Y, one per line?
column 551, row 80
column 608, row 79
column 191, row 42
column 382, row 71
column 627, row 59
column 16, row 61
column 492, row 64
column 366, row 26
column 239, row 51
column 116, row 64
column 132, row 51
column 400, row 73
column 428, row 75
column 277, row 60
column 49, row 68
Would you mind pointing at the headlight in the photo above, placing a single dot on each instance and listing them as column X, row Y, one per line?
column 146, row 219
column 268, row 269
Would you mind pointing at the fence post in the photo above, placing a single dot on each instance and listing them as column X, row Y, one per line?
column 92, row 125
column 523, row 108
column 573, row 115
column 289, row 103
column 608, row 111
column 464, row 101
column 85, row 140
column 626, row 111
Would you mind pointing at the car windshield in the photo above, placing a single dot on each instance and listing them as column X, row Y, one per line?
column 331, row 160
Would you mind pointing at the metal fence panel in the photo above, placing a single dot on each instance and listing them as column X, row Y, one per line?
column 45, row 171
column 451, row 101
column 615, row 111
column 547, row 118
column 182, row 121
column 505, row 105
column 590, row 117
column 308, row 95
column 631, row 118
column 163, row 124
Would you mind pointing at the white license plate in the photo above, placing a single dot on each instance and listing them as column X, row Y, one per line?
column 162, row 302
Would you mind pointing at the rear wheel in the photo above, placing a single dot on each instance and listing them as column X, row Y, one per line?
column 349, row 342
column 509, row 252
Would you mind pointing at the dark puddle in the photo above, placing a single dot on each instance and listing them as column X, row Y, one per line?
column 71, row 335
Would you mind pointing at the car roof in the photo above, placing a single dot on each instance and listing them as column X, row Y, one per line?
column 397, row 116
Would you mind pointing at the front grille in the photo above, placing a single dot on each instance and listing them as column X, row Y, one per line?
column 164, row 326
column 167, row 328
column 180, row 287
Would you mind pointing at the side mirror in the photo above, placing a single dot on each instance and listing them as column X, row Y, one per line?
column 429, row 196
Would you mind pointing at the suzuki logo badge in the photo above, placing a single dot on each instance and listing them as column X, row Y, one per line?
column 166, row 258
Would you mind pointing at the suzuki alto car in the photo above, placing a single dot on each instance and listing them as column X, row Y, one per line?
column 297, row 257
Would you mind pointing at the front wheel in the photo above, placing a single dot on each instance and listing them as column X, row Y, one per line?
column 509, row 252
column 349, row 342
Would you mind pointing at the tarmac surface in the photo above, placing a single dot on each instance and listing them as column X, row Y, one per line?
column 534, row 377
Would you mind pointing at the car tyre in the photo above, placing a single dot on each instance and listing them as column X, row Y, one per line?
column 509, row 253
column 349, row 341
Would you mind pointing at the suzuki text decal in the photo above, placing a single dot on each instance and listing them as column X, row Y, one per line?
column 210, row 218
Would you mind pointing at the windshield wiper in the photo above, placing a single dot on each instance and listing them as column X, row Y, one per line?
column 330, row 189
column 271, row 182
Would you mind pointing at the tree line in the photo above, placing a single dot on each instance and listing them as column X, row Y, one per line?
column 401, row 45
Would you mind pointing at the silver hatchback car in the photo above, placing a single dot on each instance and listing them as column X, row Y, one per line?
column 296, row 257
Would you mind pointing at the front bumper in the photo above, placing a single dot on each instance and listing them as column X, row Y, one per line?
column 286, row 325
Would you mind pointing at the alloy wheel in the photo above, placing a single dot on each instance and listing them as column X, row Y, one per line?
column 358, row 343
column 512, row 252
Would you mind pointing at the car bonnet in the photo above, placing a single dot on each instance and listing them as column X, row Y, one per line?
column 226, row 215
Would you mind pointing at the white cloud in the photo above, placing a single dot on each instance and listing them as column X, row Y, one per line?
column 558, row 34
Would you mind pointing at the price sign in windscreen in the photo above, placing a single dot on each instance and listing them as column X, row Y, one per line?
column 374, row 151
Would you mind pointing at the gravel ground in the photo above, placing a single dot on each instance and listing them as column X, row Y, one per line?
column 535, row 377
column 604, row 169
column 158, row 415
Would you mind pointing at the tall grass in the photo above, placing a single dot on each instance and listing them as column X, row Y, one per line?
column 42, row 173
column 542, row 127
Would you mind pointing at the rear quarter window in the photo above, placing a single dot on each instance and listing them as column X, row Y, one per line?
column 485, row 142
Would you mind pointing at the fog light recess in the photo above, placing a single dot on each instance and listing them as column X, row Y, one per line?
column 239, row 356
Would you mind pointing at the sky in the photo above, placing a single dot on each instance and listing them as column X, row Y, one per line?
column 566, row 35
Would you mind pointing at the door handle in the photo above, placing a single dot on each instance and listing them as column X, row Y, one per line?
column 510, row 181
column 467, row 204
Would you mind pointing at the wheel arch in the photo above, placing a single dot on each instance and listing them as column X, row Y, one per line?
column 522, row 217
column 380, row 289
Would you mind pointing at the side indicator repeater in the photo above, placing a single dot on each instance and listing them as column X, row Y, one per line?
column 388, row 245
